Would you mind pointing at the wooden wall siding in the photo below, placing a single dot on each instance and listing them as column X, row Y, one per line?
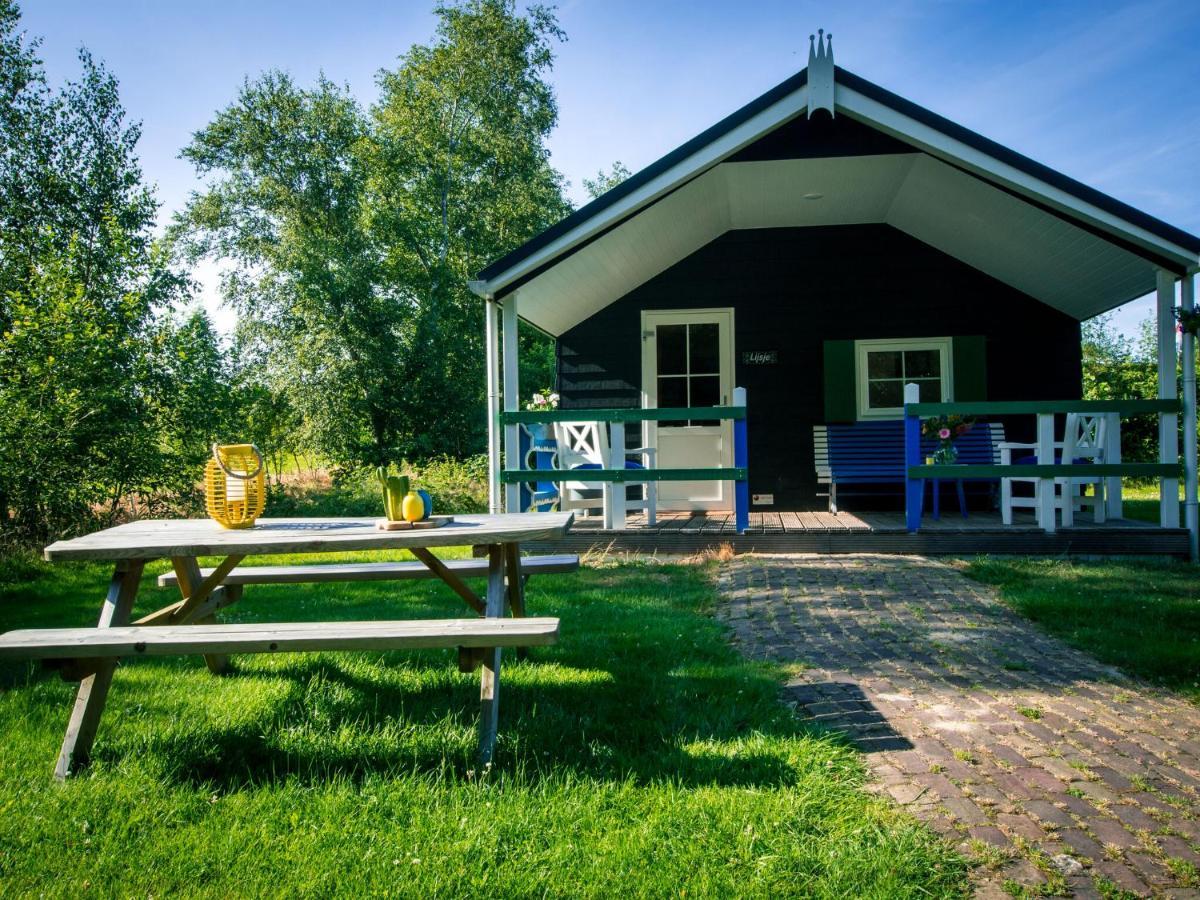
column 820, row 136
column 794, row 288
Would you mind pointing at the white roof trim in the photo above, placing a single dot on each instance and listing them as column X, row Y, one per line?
column 937, row 144
column 749, row 131
column 873, row 113
column 995, row 231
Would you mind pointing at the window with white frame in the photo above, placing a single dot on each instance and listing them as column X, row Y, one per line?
column 884, row 367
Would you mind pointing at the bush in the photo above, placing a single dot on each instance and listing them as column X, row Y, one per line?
column 457, row 486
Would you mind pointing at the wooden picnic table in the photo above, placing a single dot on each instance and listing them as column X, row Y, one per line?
column 132, row 545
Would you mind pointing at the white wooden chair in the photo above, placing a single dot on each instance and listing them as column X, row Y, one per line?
column 584, row 445
column 1084, row 439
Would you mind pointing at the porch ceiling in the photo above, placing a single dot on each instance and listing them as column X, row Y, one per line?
column 1022, row 244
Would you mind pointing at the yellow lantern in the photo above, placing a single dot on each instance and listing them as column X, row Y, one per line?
column 234, row 487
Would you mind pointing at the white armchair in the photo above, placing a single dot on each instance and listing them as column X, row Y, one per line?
column 1084, row 440
column 584, row 445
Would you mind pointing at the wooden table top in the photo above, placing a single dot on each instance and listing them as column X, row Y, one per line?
column 157, row 538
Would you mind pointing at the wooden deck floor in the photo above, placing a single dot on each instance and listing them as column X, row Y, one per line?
column 787, row 522
column 883, row 532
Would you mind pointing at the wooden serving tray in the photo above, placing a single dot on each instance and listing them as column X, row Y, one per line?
column 431, row 522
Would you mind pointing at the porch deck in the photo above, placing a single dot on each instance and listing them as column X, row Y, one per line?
column 877, row 532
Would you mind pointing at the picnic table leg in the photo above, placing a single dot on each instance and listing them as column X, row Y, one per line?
column 489, row 688
column 93, row 689
column 187, row 569
column 516, row 587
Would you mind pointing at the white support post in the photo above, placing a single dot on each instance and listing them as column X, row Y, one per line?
column 1045, row 486
column 492, row 346
column 1168, row 423
column 512, row 433
column 1114, row 505
column 614, row 510
column 1187, row 299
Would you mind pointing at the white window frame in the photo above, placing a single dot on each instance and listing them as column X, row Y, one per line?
column 944, row 345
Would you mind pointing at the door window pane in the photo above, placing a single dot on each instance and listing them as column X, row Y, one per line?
column 704, row 349
column 706, row 390
column 672, row 350
column 672, row 392
column 885, row 364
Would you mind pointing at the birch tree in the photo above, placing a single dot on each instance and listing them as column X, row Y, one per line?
column 352, row 233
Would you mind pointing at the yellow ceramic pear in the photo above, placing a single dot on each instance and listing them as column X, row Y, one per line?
column 414, row 507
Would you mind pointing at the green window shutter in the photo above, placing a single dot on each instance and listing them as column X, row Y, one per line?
column 841, row 398
column 970, row 368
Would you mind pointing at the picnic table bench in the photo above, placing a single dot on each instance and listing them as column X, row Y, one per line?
column 188, row 626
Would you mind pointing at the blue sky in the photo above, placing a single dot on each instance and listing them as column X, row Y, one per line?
column 1104, row 92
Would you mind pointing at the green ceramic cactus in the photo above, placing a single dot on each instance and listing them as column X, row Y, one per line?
column 394, row 487
column 397, row 488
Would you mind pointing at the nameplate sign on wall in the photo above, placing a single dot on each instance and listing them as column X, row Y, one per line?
column 760, row 357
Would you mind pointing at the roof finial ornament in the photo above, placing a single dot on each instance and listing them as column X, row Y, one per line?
column 820, row 72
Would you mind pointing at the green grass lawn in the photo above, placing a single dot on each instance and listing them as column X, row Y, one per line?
column 1143, row 616
column 641, row 756
column 1140, row 502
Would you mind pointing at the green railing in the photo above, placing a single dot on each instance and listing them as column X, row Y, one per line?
column 630, row 476
column 737, row 473
column 1041, row 407
column 916, row 472
column 676, row 414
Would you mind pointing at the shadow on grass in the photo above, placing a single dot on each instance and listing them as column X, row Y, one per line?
column 643, row 685
column 342, row 719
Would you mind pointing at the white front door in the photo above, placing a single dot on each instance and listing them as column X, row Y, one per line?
column 687, row 360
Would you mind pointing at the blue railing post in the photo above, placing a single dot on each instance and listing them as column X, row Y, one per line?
column 741, row 460
column 914, row 488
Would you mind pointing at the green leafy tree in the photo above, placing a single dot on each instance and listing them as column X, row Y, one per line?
column 1116, row 367
column 81, row 286
column 463, row 176
column 289, row 209
column 606, row 181
column 193, row 399
column 77, row 432
column 352, row 236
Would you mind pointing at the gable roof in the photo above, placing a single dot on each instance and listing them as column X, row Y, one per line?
column 1105, row 233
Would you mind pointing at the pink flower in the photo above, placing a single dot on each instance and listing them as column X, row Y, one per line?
column 944, row 433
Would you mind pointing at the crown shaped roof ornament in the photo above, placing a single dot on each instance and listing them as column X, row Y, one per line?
column 820, row 72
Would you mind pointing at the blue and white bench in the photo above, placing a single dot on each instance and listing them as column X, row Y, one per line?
column 872, row 453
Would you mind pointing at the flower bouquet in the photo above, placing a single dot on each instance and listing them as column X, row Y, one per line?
column 542, row 401
column 945, row 430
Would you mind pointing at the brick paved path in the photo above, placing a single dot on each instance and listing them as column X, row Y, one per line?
column 1044, row 764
